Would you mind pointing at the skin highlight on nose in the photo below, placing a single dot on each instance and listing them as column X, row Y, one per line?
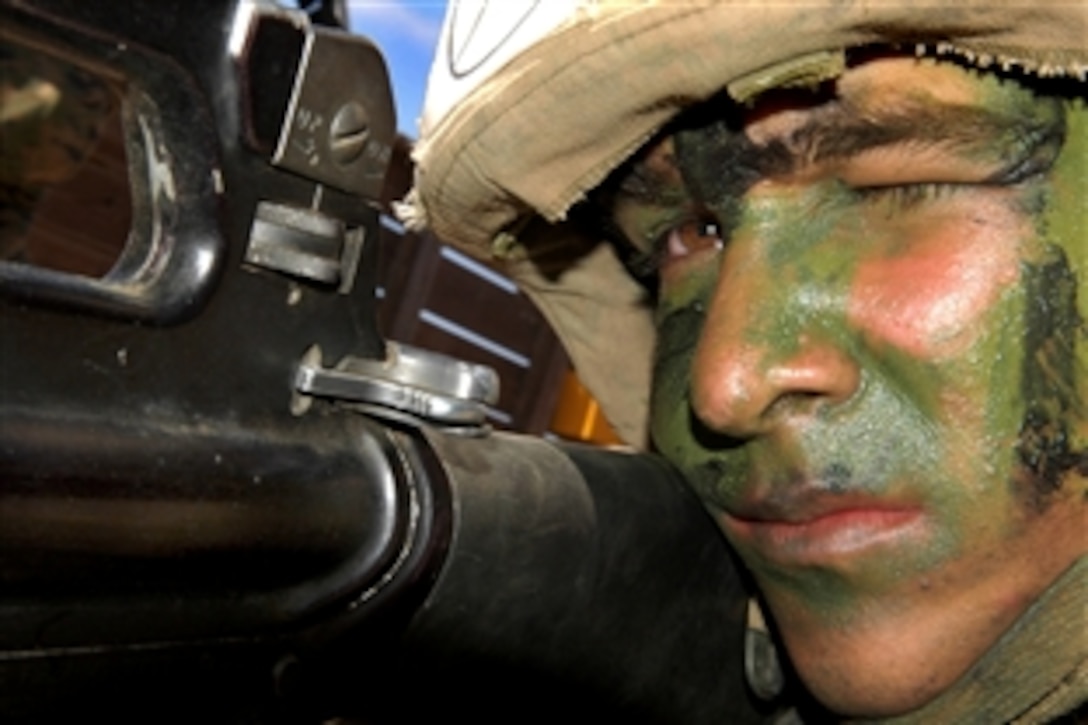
column 741, row 391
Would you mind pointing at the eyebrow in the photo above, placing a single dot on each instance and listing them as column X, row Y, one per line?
column 955, row 128
column 839, row 132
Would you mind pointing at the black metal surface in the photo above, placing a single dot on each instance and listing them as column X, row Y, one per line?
column 177, row 546
column 170, row 380
column 153, row 531
column 580, row 584
column 176, row 249
column 224, row 349
column 274, row 53
column 192, row 579
column 165, row 521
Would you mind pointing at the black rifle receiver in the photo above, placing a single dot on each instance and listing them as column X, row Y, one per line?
column 225, row 498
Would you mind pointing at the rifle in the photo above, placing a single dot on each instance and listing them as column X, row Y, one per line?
column 224, row 497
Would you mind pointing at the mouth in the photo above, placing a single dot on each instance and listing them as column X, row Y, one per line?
column 814, row 528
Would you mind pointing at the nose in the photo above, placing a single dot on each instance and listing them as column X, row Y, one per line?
column 764, row 359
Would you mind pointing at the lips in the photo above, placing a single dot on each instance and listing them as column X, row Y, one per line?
column 809, row 525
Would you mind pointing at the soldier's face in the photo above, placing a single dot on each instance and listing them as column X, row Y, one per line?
column 871, row 362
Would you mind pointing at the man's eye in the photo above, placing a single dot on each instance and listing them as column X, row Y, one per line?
column 680, row 244
column 692, row 237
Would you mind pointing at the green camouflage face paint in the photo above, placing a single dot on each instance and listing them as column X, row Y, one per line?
column 875, row 379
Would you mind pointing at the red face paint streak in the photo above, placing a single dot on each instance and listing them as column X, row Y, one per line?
column 922, row 301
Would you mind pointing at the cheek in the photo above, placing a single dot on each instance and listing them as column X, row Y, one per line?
column 927, row 295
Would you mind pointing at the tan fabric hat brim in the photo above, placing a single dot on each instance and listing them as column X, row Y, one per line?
column 559, row 117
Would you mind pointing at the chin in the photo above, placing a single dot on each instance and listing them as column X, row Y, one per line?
column 863, row 697
column 872, row 684
column 872, row 663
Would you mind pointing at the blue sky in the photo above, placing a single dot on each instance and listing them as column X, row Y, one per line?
column 406, row 31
